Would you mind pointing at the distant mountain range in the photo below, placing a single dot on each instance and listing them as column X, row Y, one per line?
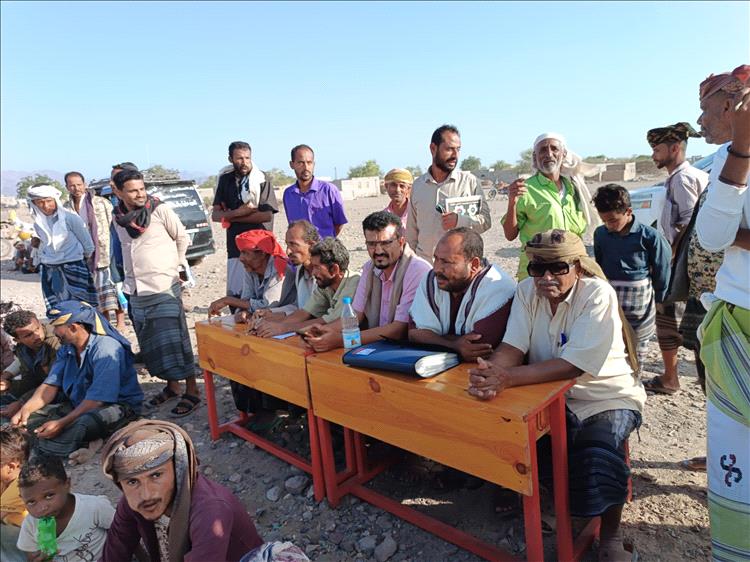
column 9, row 178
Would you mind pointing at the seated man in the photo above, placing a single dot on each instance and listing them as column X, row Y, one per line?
column 35, row 352
column 463, row 303
column 300, row 237
column 94, row 375
column 329, row 259
column 385, row 290
column 566, row 318
column 265, row 268
column 176, row 512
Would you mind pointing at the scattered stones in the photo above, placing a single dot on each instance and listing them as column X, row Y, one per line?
column 296, row 484
column 236, row 477
column 273, row 494
column 386, row 549
column 366, row 544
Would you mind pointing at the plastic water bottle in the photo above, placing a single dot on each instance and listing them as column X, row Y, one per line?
column 350, row 325
column 122, row 300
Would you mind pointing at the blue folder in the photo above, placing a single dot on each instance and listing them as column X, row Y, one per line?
column 408, row 358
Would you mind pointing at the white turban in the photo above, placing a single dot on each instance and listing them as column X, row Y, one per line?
column 555, row 136
column 43, row 192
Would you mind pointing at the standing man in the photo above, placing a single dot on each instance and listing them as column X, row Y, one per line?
column 398, row 183
column 244, row 200
column 430, row 190
column 555, row 197
column 722, row 224
column 684, row 186
column 385, row 290
column 312, row 199
column 153, row 247
column 66, row 246
column 96, row 213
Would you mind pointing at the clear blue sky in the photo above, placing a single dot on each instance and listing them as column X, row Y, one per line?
column 87, row 84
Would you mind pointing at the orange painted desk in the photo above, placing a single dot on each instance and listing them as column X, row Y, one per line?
column 275, row 367
column 437, row 419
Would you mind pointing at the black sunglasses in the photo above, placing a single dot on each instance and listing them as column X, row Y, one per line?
column 537, row 269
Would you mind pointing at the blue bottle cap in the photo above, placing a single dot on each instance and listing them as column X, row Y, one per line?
column 347, row 300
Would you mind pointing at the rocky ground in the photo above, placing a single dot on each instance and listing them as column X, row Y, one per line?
column 667, row 519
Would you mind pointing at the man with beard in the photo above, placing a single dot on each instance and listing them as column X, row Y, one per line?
column 428, row 220
column 176, row 512
column 35, row 353
column 93, row 376
column 684, row 186
column 398, row 183
column 244, row 200
column 722, row 224
column 154, row 243
column 329, row 264
column 96, row 213
column 385, row 290
column 311, row 199
column 555, row 197
column 464, row 302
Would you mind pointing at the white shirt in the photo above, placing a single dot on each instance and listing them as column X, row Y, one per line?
column 725, row 211
column 585, row 331
column 83, row 539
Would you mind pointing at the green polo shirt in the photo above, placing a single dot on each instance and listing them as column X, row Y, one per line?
column 541, row 209
column 327, row 304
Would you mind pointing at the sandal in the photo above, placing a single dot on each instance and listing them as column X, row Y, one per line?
column 187, row 405
column 657, row 387
column 165, row 395
column 505, row 503
column 696, row 464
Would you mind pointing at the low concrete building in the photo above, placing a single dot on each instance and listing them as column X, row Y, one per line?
column 356, row 188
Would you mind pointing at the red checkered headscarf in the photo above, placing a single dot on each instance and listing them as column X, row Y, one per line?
column 730, row 82
column 264, row 241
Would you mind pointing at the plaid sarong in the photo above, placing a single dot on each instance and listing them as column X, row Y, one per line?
column 636, row 299
column 162, row 332
column 106, row 290
column 725, row 350
column 67, row 281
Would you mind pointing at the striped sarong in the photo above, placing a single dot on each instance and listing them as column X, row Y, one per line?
column 67, row 281
column 636, row 299
column 725, row 350
column 106, row 290
column 162, row 332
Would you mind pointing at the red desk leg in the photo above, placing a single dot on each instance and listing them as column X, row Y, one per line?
column 213, row 420
column 558, row 434
column 532, row 510
column 315, row 457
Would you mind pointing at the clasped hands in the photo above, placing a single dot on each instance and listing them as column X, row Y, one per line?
column 487, row 380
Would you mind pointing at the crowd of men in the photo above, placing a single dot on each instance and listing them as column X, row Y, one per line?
column 563, row 315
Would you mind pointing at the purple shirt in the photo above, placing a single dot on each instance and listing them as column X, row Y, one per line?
column 418, row 268
column 321, row 205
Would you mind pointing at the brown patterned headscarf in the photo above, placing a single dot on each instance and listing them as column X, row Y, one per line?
column 561, row 245
column 729, row 82
column 145, row 445
column 678, row 132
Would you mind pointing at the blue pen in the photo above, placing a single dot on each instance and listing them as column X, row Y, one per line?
column 563, row 339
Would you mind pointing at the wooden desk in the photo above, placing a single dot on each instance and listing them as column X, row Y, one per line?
column 436, row 418
column 275, row 367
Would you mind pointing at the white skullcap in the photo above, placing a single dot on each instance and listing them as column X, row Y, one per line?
column 43, row 192
column 555, row 136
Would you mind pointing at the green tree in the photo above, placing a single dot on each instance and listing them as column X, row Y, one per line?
column 159, row 172
column 209, row 183
column 23, row 185
column 471, row 164
column 524, row 162
column 279, row 178
column 415, row 171
column 367, row 169
column 501, row 165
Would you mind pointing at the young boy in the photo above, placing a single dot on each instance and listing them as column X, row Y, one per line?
column 636, row 260
column 81, row 521
column 14, row 451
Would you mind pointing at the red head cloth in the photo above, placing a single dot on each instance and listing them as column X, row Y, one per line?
column 730, row 82
column 264, row 241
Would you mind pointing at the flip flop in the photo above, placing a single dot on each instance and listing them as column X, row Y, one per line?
column 165, row 395
column 657, row 387
column 187, row 405
column 696, row 464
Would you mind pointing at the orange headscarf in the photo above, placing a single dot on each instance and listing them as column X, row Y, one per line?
column 730, row 82
column 264, row 241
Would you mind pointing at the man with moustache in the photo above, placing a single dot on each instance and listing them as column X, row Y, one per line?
column 385, row 290
column 244, row 200
column 176, row 512
column 398, row 183
column 311, row 199
column 430, row 190
column 555, row 197
column 464, row 302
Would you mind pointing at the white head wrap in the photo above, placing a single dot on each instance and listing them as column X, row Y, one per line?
column 52, row 233
column 43, row 192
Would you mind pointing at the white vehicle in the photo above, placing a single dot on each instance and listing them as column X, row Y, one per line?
column 648, row 202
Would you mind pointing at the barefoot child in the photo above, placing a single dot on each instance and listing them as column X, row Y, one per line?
column 14, row 451
column 62, row 524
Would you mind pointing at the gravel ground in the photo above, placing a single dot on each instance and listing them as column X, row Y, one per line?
column 667, row 519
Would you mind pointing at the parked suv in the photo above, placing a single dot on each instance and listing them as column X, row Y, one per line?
column 182, row 196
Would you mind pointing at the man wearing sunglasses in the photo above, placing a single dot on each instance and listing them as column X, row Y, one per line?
column 566, row 319
column 464, row 302
column 385, row 290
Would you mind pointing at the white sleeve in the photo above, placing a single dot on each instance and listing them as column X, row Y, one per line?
column 104, row 512
column 27, row 535
column 518, row 330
